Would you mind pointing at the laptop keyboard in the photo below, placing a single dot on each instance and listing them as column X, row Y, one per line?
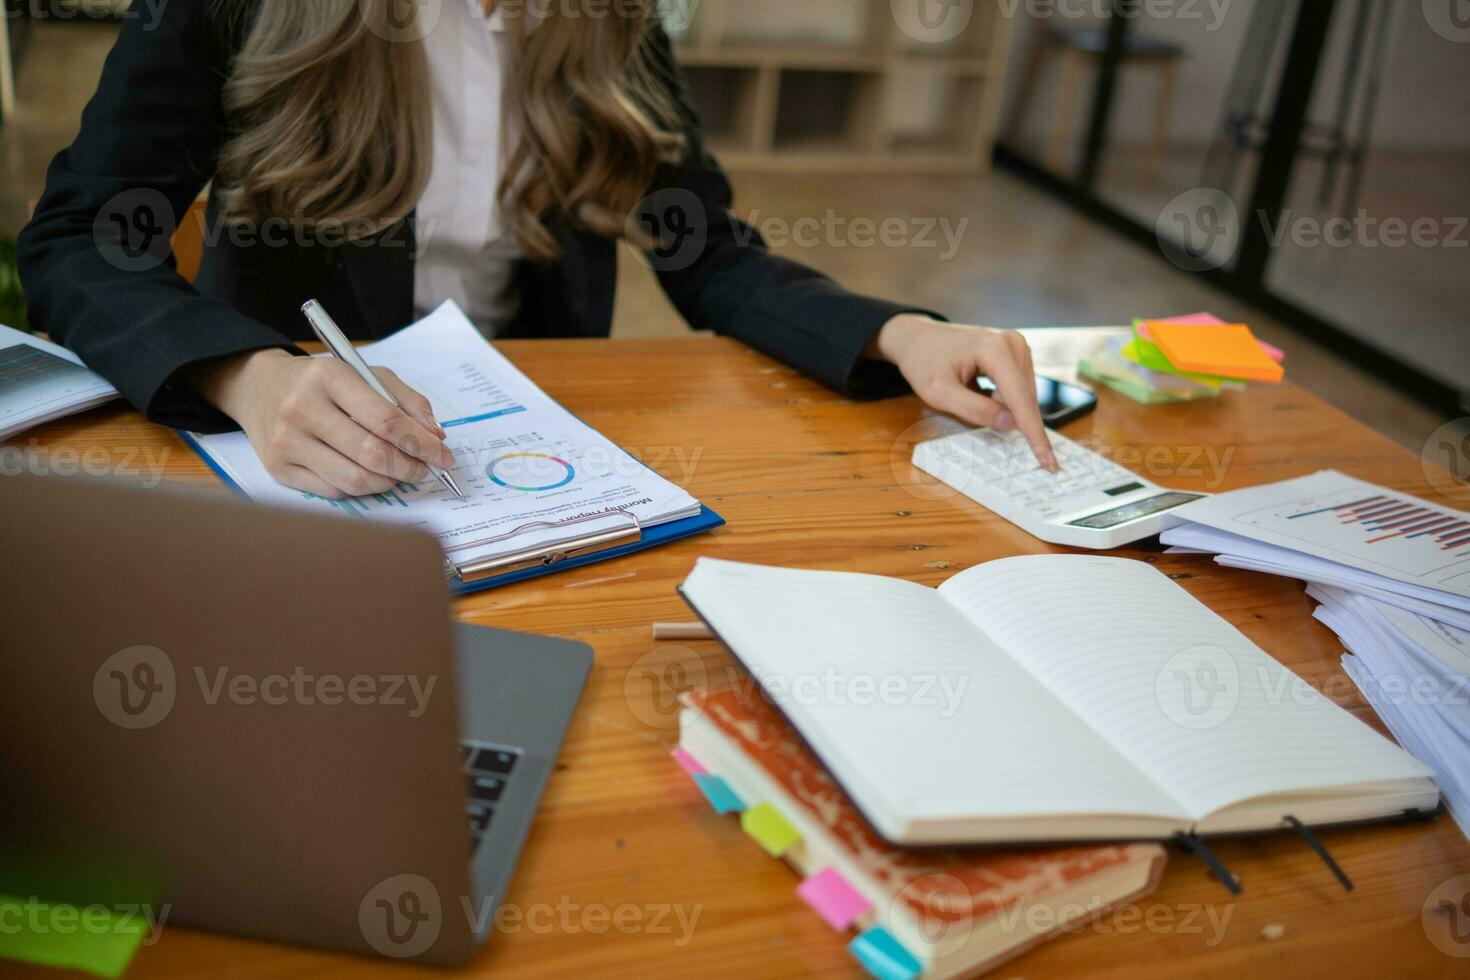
column 487, row 768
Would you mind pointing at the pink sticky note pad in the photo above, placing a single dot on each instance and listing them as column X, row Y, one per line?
column 1210, row 320
column 688, row 763
column 831, row 897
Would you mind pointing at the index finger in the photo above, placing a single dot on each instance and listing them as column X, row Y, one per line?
column 387, row 421
column 1017, row 389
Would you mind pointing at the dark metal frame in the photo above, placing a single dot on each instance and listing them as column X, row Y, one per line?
column 1246, row 278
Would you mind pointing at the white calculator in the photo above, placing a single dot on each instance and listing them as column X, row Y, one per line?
column 1091, row 503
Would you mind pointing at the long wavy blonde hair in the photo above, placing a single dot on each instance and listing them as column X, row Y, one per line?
column 328, row 108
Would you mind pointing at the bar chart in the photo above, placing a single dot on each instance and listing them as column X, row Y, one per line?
column 1360, row 524
column 1385, row 518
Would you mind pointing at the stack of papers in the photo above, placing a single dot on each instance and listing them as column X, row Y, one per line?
column 1392, row 574
column 41, row 381
column 1183, row 359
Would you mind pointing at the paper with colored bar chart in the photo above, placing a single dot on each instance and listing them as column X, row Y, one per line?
column 522, row 458
column 1360, row 525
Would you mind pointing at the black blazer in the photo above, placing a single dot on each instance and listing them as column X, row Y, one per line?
column 99, row 277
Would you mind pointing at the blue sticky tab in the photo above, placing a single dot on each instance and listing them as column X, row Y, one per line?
column 719, row 794
column 883, row 957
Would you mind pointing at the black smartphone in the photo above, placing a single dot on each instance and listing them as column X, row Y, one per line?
column 1060, row 402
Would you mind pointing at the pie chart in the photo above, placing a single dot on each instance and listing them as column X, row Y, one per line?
column 530, row 472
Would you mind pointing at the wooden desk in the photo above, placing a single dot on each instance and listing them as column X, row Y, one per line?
column 806, row 478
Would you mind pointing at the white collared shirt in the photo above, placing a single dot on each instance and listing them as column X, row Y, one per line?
column 466, row 252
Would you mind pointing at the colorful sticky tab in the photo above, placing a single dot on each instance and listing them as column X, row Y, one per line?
column 1230, row 350
column 1210, row 320
column 1146, row 353
column 689, row 764
column 883, row 956
column 831, row 897
column 51, row 935
column 719, row 794
column 770, row 829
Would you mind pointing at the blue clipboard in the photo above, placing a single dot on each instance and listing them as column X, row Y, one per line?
column 651, row 537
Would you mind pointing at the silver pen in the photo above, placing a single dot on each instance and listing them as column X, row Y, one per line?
column 330, row 334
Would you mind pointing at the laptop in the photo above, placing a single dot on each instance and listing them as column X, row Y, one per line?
column 262, row 722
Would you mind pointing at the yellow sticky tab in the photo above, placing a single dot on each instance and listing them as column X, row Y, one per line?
column 770, row 829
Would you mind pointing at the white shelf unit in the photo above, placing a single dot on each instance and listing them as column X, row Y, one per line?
column 826, row 85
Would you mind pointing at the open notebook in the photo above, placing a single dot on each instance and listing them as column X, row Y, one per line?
column 1048, row 698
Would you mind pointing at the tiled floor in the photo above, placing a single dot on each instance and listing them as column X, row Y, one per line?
column 984, row 250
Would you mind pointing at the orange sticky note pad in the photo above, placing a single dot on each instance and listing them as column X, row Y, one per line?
column 1229, row 350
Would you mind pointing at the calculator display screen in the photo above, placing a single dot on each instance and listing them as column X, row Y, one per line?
column 1133, row 511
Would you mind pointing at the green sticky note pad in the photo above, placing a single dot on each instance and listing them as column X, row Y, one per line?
column 770, row 829
column 93, row 939
column 1136, row 390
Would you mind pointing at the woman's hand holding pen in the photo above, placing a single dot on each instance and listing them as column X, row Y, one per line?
column 319, row 427
column 942, row 360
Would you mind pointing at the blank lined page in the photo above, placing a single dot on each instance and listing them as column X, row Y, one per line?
column 909, row 703
column 1181, row 692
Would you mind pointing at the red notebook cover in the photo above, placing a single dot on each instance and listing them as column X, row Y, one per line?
column 942, row 888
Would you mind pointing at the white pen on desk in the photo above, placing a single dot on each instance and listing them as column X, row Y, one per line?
column 330, row 334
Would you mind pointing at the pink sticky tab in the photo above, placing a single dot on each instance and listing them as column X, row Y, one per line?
column 688, row 763
column 1210, row 320
column 831, row 897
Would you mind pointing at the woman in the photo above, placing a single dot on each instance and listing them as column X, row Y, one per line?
column 384, row 164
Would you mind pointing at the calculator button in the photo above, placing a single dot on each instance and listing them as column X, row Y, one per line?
column 998, row 470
